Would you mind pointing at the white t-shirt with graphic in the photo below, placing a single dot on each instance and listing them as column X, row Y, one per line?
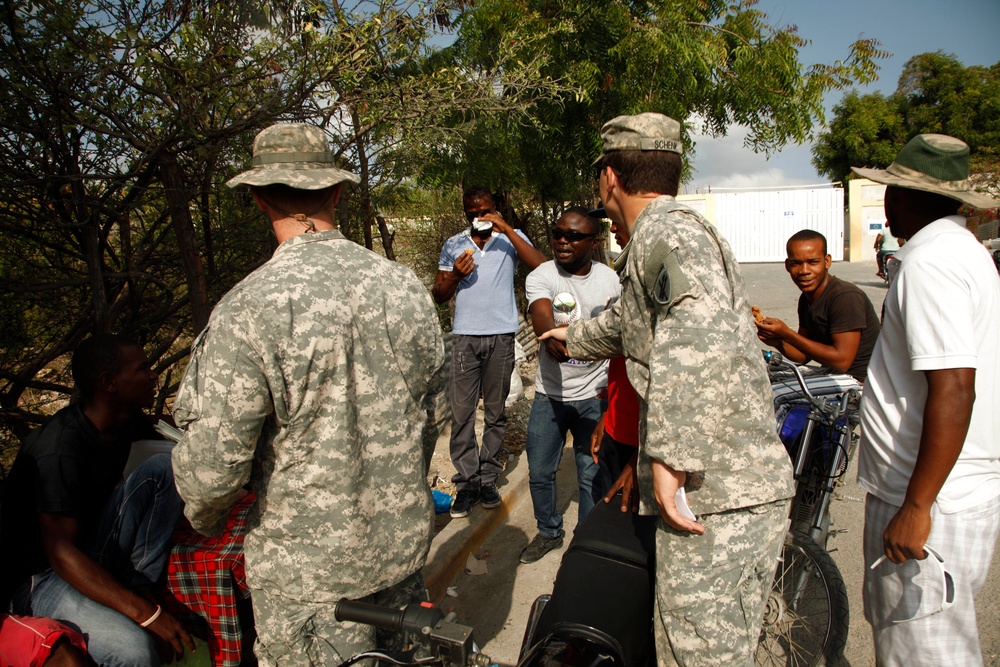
column 573, row 298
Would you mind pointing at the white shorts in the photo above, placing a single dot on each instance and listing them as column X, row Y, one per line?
column 897, row 592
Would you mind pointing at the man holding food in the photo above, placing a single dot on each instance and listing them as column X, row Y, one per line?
column 477, row 268
column 838, row 325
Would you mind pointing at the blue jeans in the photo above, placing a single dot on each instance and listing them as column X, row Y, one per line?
column 133, row 543
column 548, row 424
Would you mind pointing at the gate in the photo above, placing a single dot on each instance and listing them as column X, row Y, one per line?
column 757, row 224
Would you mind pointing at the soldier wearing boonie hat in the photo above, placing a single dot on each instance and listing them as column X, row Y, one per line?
column 298, row 156
column 313, row 381
column 706, row 421
column 930, row 436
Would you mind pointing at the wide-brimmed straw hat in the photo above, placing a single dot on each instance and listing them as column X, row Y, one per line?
column 932, row 163
column 293, row 154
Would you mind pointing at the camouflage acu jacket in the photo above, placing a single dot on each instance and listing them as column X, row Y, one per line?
column 684, row 325
column 313, row 381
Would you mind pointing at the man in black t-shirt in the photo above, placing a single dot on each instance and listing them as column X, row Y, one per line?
column 838, row 325
column 81, row 545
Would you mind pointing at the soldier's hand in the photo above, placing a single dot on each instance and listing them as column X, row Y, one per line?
column 559, row 333
column 666, row 482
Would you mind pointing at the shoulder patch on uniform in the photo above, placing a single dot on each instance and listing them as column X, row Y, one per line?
column 664, row 279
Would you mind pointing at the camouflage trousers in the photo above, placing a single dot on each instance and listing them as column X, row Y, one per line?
column 294, row 633
column 711, row 588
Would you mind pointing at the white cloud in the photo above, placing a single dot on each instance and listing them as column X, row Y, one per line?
column 725, row 162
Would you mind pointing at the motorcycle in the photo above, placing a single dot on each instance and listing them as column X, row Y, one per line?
column 600, row 611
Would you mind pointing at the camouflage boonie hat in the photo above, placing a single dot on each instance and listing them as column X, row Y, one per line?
column 932, row 163
column 642, row 132
column 293, row 154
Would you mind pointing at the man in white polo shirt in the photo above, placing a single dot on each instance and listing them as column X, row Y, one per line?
column 930, row 447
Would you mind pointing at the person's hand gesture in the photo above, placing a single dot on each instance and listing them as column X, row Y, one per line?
column 595, row 439
column 769, row 331
column 464, row 264
column 628, row 484
column 906, row 534
column 171, row 633
column 666, row 482
column 559, row 333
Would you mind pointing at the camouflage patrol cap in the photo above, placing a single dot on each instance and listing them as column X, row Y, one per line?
column 932, row 163
column 642, row 132
column 293, row 154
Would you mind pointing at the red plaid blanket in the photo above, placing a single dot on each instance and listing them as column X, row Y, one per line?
column 204, row 577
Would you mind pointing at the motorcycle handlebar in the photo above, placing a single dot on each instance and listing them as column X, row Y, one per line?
column 412, row 618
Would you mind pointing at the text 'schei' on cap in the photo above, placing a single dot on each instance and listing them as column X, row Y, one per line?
column 642, row 132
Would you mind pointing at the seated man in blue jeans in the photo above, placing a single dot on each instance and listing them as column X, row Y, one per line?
column 80, row 545
column 570, row 288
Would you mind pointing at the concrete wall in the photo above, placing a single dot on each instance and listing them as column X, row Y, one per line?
column 865, row 218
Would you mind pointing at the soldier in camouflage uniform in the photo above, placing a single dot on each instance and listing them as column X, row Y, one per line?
column 706, row 415
column 313, row 381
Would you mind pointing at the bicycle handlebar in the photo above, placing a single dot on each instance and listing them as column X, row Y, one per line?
column 774, row 359
column 450, row 643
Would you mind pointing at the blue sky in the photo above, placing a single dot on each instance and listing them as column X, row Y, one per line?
column 969, row 29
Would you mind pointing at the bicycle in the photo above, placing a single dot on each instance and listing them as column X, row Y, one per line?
column 806, row 617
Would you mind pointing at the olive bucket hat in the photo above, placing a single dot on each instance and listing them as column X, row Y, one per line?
column 934, row 163
column 293, row 154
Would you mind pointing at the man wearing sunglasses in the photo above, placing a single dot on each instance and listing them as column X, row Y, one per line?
column 572, row 287
column 706, row 417
column 930, row 429
column 477, row 268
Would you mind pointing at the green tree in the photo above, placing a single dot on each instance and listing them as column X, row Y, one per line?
column 122, row 121
column 709, row 64
column 935, row 93
column 866, row 131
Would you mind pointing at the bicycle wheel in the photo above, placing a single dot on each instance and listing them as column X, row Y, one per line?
column 806, row 617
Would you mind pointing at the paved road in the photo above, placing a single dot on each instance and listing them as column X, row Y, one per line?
column 497, row 603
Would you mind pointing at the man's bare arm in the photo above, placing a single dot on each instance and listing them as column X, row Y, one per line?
column 446, row 282
column 800, row 349
column 59, row 534
column 951, row 394
column 526, row 252
column 542, row 321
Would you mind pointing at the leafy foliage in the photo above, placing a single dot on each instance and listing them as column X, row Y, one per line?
column 123, row 120
column 935, row 94
column 706, row 63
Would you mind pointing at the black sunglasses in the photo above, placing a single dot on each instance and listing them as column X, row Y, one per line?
column 570, row 235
